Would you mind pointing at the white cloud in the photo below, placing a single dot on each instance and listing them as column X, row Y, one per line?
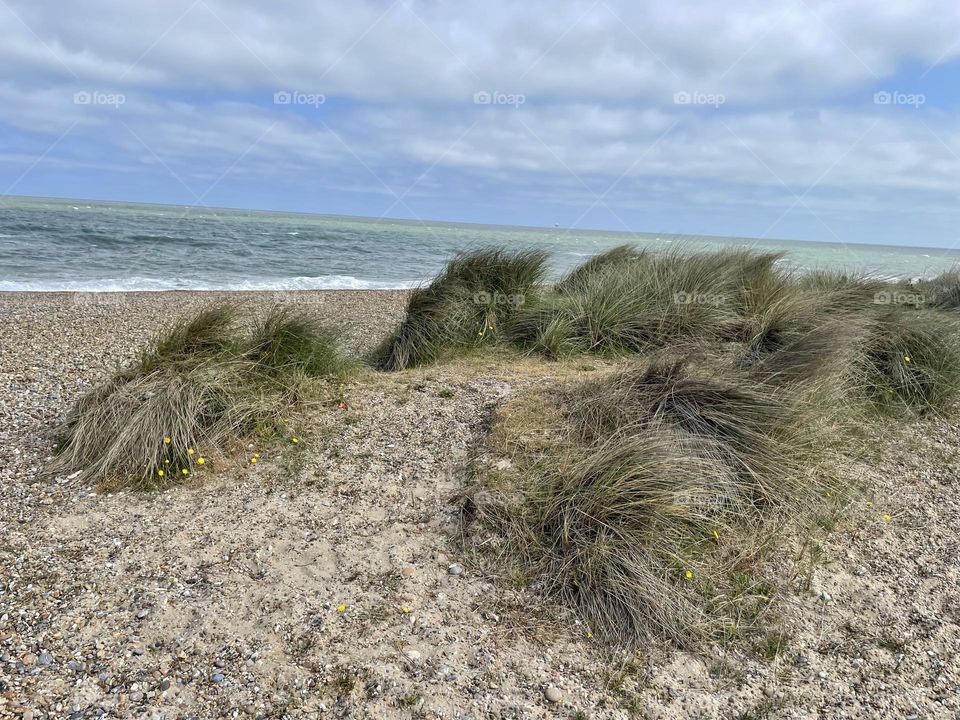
column 599, row 80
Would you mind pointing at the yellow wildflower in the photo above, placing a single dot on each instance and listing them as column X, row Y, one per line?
column 253, row 459
column 200, row 461
column 294, row 440
column 160, row 473
column 404, row 609
column 185, row 471
column 907, row 358
column 189, row 451
column 688, row 574
column 887, row 516
column 716, row 536
column 166, row 441
column 341, row 608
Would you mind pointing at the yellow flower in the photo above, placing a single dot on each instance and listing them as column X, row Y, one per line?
column 166, row 462
column 294, row 440
column 404, row 609
column 341, row 608
column 189, row 451
column 166, row 440
column 887, row 516
column 253, row 459
column 160, row 473
column 200, row 461
column 907, row 358
column 688, row 574
column 716, row 536
column 185, row 471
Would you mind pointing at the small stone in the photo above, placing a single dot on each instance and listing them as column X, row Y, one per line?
column 825, row 596
column 27, row 715
column 136, row 696
column 407, row 571
column 218, row 678
column 165, row 684
column 455, row 569
column 45, row 659
column 219, row 663
column 553, row 694
column 413, row 654
column 29, row 659
column 143, row 614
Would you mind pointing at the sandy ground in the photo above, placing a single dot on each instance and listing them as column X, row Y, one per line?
column 325, row 583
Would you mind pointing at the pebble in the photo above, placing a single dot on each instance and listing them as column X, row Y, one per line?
column 218, row 678
column 143, row 614
column 413, row 654
column 553, row 694
column 45, row 658
column 455, row 569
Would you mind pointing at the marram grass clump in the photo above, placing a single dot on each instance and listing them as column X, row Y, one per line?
column 635, row 499
column 202, row 383
column 629, row 301
column 465, row 306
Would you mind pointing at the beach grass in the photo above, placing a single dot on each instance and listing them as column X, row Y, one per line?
column 466, row 306
column 205, row 381
column 643, row 498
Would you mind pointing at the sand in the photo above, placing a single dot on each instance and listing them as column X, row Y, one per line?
column 326, row 583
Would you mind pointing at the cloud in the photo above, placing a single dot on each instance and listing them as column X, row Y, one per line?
column 748, row 107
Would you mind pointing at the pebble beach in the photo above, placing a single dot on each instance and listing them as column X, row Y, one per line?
column 328, row 583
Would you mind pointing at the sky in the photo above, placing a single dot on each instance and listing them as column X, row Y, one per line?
column 796, row 119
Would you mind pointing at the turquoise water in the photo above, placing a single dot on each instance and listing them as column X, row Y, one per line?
column 99, row 246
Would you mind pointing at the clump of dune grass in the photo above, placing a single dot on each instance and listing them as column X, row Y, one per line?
column 628, row 301
column 465, row 306
column 202, row 383
column 942, row 292
column 637, row 508
column 908, row 360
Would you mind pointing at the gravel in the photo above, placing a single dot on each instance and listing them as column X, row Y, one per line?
column 242, row 574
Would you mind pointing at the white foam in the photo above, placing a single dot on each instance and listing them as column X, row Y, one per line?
column 134, row 284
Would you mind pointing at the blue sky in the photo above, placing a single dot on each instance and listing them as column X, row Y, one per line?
column 802, row 120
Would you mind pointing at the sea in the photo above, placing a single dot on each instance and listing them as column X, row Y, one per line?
column 95, row 246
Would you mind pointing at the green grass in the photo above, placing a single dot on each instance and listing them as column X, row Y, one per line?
column 629, row 301
column 202, row 383
column 465, row 306
column 633, row 496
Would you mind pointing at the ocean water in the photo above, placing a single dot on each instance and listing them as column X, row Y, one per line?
column 104, row 246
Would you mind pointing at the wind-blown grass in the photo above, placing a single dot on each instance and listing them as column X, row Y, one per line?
column 908, row 360
column 652, row 469
column 627, row 302
column 465, row 306
column 202, row 383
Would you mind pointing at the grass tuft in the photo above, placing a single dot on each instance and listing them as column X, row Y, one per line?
column 465, row 306
column 203, row 382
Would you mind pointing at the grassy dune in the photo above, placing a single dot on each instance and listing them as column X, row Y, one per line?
column 650, row 500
